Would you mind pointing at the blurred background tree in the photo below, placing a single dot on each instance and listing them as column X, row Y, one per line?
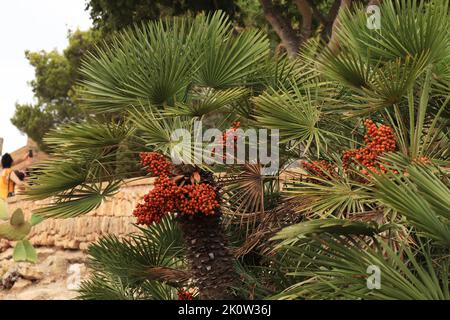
column 110, row 15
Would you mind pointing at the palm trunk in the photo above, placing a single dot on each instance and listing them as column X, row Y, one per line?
column 212, row 264
column 211, row 261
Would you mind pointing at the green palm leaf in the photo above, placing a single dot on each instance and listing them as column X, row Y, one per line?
column 297, row 113
column 332, row 267
column 78, row 201
column 421, row 197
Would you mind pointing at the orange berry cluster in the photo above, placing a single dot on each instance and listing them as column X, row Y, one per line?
column 320, row 168
column 156, row 164
column 169, row 197
column 158, row 202
column 198, row 198
column 378, row 141
column 184, row 295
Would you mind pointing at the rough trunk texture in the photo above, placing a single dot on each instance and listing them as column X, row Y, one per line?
column 212, row 264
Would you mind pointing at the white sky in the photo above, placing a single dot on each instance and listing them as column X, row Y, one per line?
column 32, row 25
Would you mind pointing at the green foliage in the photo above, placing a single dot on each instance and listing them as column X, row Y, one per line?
column 17, row 218
column 135, row 85
column 325, row 196
column 380, row 66
column 333, row 267
column 395, row 76
column 157, row 77
column 53, row 74
column 422, row 197
column 159, row 63
column 107, row 287
column 92, row 136
column 410, row 29
column 147, row 265
column 332, row 226
column 300, row 114
column 35, row 219
column 16, row 229
column 34, row 121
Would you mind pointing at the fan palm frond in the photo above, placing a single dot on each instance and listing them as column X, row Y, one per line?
column 148, row 63
column 297, row 114
column 156, row 254
column 248, row 192
column 420, row 127
column 145, row 265
column 331, row 195
column 106, row 287
column 409, row 29
column 202, row 103
column 80, row 200
column 421, row 197
column 336, row 267
column 87, row 136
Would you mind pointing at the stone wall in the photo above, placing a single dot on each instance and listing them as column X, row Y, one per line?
column 112, row 217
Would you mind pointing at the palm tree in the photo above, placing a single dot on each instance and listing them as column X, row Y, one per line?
column 147, row 82
column 308, row 234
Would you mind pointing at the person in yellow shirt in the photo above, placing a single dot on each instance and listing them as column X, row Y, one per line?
column 8, row 178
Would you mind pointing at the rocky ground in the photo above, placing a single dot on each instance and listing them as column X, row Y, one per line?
column 56, row 276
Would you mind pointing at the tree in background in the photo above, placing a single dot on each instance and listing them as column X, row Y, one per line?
column 294, row 22
column 56, row 75
column 288, row 23
column 110, row 15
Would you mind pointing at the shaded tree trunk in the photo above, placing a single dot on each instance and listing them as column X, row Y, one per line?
column 292, row 39
column 307, row 15
column 332, row 14
column 282, row 27
column 333, row 44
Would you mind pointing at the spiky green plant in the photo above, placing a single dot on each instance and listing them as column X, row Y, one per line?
column 162, row 76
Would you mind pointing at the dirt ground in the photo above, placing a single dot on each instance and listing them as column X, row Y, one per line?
column 56, row 276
